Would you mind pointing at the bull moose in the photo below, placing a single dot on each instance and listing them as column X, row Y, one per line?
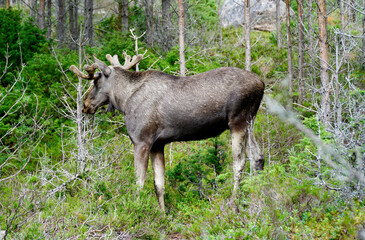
column 160, row 108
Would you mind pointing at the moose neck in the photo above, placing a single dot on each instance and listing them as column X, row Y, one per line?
column 126, row 83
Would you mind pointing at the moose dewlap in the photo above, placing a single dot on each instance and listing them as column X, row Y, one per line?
column 160, row 108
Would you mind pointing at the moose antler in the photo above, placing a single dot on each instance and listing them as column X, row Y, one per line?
column 89, row 69
column 128, row 64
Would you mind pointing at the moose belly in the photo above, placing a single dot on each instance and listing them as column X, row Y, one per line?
column 183, row 130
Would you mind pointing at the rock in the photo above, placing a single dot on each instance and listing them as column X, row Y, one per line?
column 263, row 14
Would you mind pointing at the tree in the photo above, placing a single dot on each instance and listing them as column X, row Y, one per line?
column 300, row 50
column 278, row 21
column 73, row 22
column 149, row 21
column 61, row 21
column 290, row 60
column 123, row 13
column 323, row 57
column 49, row 19
column 181, row 38
column 89, row 29
column 42, row 14
column 247, row 35
column 166, row 24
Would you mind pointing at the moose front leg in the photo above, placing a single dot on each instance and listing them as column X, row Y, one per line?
column 158, row 164
column 141, row 151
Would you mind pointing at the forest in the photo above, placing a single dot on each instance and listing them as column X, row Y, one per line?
column 65, row 174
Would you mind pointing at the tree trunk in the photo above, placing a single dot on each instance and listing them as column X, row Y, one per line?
column 310, row 27
column 363, row 39
column 220, row 30
column 33, row 9
column 300, row 51
column 73, row 22
column 166, row 25
column 290, row 59
column 89, row 30
column 49, row 19
column 7, row 4
column 61, row 21
column 42, row 14
column 247, row 35
column 123, row 13
column 181, row 38
column 149, row 21
column 278, row 23
column 323, row 55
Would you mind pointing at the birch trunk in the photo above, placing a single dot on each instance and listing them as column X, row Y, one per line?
column 181, row 38
column 323, row 55
column 247, row 35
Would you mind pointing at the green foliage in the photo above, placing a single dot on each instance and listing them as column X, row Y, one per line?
column 19, row 41
column 201, row 171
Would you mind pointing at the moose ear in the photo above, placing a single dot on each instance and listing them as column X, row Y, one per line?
column 103, row 67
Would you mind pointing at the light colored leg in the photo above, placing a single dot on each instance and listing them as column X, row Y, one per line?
column 141, row 151
column 158, row 164
column 238, row 147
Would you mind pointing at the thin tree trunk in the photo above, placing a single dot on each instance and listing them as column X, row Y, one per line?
column 247, row 35
column 89, row 30
column 73, row 22
column 61, row 21
column 290, row 59
column 7, row 4
column 42, row 14
column 181, row 38
column 300, row 51
column 123, row 12
column 323, row 55
column 310, row 26
column 363, row 38
column 149, row 22
column 81, row 151
column 278, row 23
column 166, row 24
column 49, row 19
column 33, row 10
column 220, row 30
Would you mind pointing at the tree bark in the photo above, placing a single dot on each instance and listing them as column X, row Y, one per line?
column 73, row 22
column 7, row 4
column 33, row 9
column 310, row 27
column 290, row 58
column 278, row 23
column 89, row 29
column 247, row 35
column 42, row 14
column 166, row 21
column 123, row 13
column 61, row 21
column 181, row 38
column 363, row 39
column 49, row 19
column 300, row 51
column 149, row 21
column 220, row 30
column 323, row 55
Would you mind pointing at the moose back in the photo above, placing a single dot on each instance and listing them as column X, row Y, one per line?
column 160, row 108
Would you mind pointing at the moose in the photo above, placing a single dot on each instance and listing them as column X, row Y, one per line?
column 160, row 108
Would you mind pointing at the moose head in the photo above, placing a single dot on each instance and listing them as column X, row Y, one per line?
column 99, row 93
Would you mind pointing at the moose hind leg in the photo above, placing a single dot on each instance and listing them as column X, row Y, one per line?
column 238, row 152
column 158, row 164
column 253, row 151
